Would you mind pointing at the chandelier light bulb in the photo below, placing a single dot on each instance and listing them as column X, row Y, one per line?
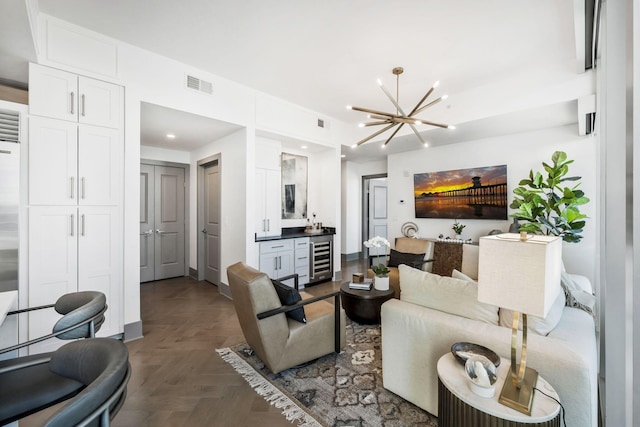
column 360, row 125
column 418, row 122
column 451, row 127
column 436, row 84
column 354, row 146
column 444, row 97
column 426, row 144
column 349, row 107
column 379, row 82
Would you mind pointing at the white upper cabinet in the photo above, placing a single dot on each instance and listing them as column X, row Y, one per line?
column 73, row 164
column 67, row 96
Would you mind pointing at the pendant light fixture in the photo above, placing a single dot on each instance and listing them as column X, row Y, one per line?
column 400, row 118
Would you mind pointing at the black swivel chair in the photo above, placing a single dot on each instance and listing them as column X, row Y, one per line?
column 83, row 315
column 93, row 373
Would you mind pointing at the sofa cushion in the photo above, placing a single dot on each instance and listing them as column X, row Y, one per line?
column 290, row 296
column 455, row 296
column 538, row 325
column 470, row 256
column 413, row 260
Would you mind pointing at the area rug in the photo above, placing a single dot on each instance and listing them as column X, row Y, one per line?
column 336, row 390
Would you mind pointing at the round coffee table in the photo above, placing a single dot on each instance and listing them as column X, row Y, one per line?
column 363, row 306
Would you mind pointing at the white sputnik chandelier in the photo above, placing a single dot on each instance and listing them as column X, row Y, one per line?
column 400, row 118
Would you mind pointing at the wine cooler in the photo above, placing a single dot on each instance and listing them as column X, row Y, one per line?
column 321, row 256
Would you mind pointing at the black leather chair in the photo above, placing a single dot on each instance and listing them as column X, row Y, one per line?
column 83, row 315
column 89, row 376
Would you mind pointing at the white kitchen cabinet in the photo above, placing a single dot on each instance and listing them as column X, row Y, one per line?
column 53, row 154
column 73, row 249
column 67, row 96
column 276, row 259
column 301, row 259
column 73, row 164
column 268, row 200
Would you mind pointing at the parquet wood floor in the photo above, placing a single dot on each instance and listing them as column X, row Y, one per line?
column 177, row 377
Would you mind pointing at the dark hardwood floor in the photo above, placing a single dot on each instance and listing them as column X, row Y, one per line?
column 177, row 377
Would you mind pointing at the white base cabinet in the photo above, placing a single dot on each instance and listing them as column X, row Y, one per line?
column 276, row 259
column 301, row 259
column 73, row 249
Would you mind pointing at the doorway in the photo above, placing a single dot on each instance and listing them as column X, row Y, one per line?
column 374, row 208
column 209, row 210
column 162, row 220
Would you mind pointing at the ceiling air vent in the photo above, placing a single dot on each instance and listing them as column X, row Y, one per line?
column 320, row 123
column 199, row 85
column 9, row 126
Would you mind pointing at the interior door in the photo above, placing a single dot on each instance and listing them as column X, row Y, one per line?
column 162, row 222
column 147, row 222
column 169, row 222
column 212, row 223
column 378, row 208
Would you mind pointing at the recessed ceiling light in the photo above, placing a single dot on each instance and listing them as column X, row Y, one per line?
column 304, row 147
column 343, row 155
column 171, row 136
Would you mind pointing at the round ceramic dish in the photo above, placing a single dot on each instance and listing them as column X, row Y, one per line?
column 464, row 350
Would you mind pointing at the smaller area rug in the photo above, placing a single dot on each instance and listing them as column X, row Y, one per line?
column 336, row 390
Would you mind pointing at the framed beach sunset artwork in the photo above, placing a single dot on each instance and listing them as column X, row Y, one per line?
column 474, row 193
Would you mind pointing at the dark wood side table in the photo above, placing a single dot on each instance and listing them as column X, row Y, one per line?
column 363, row 306
column 458, row 406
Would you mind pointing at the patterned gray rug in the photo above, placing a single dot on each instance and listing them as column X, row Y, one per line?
column 336, row 390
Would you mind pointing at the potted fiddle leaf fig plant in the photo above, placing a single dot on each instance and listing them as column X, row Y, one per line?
column 548, row 205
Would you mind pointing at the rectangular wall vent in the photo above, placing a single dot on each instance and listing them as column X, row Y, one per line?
column 199, row 85
column 320, row 123
column 9, row 126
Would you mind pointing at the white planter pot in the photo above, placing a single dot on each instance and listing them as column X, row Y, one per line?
column 381, row 283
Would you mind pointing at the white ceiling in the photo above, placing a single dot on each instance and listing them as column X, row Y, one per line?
column 327, row 54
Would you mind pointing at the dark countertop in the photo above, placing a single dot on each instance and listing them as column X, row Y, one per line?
column 295, row 232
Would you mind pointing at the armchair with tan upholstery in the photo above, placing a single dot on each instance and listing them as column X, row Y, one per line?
column 409, row 245
column 280, row 341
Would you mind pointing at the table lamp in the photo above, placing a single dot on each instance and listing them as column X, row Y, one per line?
column 520, row 272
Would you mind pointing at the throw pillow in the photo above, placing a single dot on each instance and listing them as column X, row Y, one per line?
column 454, row 296
column 470, row 255
column 459, row 275
column 538, row 325
column 413, row 260
column 290, row 296
column 576, row 296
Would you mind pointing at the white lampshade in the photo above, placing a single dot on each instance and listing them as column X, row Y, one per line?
column 520, row 275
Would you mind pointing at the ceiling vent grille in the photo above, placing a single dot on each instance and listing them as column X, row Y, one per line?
column 199, row 85
column 9, row 126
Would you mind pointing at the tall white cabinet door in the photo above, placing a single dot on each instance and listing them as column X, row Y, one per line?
column 53, row 266
column 273, row 202
column 99, row 102
column 53, row 149
column 100, row 260
column 100, row 152
column 268, row 202
column 56, row 95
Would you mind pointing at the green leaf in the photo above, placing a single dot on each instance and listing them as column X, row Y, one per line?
column 559, row 157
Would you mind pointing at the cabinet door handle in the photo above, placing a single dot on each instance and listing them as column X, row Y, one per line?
column 72, row 227
column 268, row 224
column 82, row 102
column 82, row 186
column 73, row 184
column 73, row 101
column 275, row 263
column 82, row 226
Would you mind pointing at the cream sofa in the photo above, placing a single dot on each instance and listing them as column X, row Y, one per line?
column 420, row 327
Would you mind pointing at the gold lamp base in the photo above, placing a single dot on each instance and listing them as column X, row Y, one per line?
column 520, row 399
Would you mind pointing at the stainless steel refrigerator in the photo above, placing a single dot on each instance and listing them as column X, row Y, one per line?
column 9, row 203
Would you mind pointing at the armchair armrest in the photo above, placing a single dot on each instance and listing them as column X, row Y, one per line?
column 419, row 264
column 336, row 307
column 293, row 276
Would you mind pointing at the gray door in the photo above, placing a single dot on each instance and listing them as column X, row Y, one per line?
column 162, row 226
column 147, row 222
column 212, row 223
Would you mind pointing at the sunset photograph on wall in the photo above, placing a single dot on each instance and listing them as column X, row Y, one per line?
column 474, row 193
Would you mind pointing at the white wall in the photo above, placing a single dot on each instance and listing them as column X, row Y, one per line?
column 162, row 154
column 520, row 152
column 151, row 78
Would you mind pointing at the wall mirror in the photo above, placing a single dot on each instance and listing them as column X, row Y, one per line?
column 294, row 186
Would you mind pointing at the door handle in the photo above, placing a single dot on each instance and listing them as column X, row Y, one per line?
column 159, row 231
column 204, row 230
column 146, row 233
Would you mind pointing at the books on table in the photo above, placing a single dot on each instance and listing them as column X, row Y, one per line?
column 364, row 286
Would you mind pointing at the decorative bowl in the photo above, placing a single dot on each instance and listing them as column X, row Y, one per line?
column 481, row 373
column 464, row 350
